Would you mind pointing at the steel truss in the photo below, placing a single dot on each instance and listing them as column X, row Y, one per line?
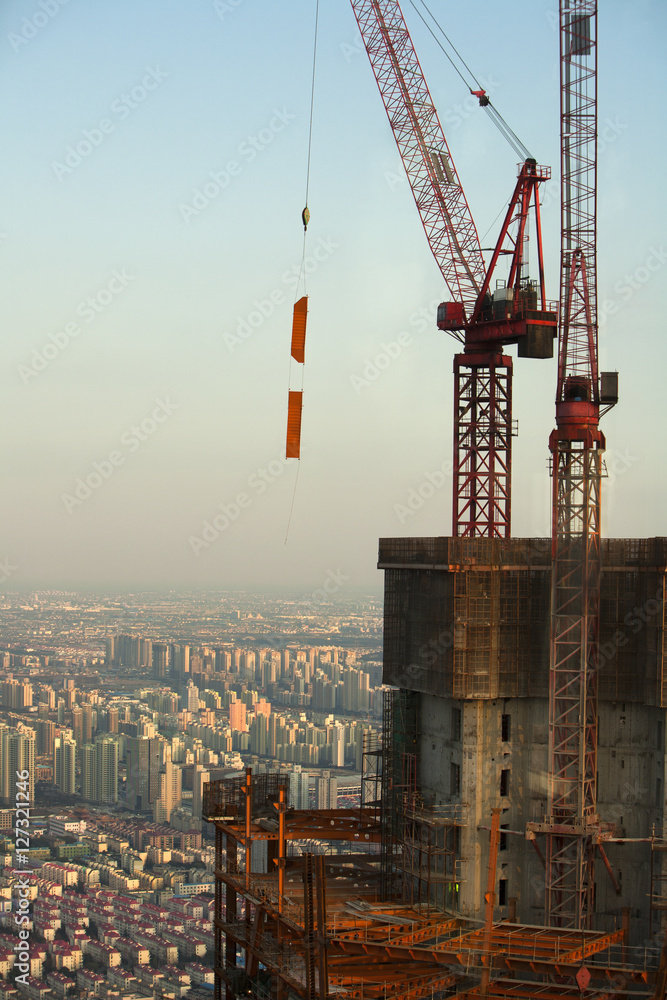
column 573, row 828
column 482, row 445
column 435, row 184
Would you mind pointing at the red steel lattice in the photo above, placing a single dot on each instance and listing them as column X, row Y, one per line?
column 421, row 141
column 576, row 446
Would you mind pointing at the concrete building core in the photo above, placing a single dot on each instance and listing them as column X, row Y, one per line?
column 466, row 642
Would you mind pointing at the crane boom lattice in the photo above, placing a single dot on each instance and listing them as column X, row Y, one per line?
column 433, row 179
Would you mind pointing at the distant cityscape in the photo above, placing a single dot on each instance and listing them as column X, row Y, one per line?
column 119, row 709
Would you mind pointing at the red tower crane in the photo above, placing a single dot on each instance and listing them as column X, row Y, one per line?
column 572, row 825
column 484, row 318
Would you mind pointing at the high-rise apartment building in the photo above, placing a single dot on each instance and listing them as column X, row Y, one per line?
column 177, row 749
column 160, row 660
column 144, row 761
column 88, row 772
column 17, row 756
column 223, row 661
column 65, row 763
column 87, row 722
column 107, row 769
column 16, row 694
column 327, row 791
column 99, row 770
column 170, row 790
column 299, row 788
column 191, row 698
column 46, row 732
column 48, row 697
column 200, row 777
column 259, row 736
column 110, row 650
column 180, row 661
column 77, row 725
column 132, row 651
column 237, row 717
column 338, row 747
column 112, row 720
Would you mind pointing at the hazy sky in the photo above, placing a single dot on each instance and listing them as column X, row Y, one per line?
column 153, row 175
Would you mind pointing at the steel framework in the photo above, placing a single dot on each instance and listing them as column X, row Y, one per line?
column 482, row 445
column 313, row 927
column 576, row 446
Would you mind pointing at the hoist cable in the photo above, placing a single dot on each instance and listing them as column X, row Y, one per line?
column 305, row 217
column 312, row 100
column 508, row 134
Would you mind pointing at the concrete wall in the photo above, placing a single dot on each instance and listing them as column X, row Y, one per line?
column 631, row 762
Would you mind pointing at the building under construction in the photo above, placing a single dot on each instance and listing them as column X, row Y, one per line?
column 435, row 886
column 510, row 837
column 467, row 643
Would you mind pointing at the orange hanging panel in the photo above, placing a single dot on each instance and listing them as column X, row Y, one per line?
column 299, row 329
column 294, row 424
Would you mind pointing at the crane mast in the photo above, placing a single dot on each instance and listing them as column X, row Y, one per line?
column 572, row 825
column 484, row 318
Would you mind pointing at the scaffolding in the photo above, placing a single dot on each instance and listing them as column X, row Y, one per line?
column 371, row 770
column 468, row 618
column 658, row 887
column 399, row 736
column 428, row 857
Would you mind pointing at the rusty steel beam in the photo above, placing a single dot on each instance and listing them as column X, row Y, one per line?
column 361, row 832
column 435, row 928
column 511, row 988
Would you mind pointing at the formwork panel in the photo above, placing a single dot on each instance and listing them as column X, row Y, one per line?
column 470, row 617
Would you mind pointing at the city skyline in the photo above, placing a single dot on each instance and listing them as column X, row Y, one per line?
column 156, row 164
